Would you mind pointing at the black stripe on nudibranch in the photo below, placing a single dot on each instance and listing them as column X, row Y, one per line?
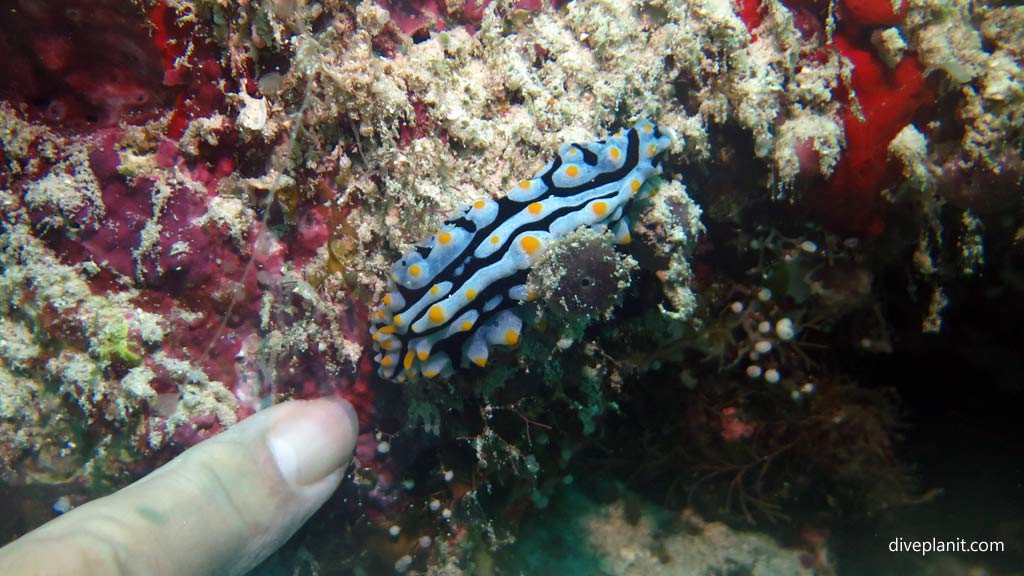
column 464, row 223
column 588, row 155
column 480, row 263
column 452, row 298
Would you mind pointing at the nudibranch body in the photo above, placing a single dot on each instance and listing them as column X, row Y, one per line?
column 449, row 299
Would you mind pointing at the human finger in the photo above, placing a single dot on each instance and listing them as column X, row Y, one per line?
column 220, row 507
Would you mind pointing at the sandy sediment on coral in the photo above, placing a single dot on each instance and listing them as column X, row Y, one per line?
column 628, row 546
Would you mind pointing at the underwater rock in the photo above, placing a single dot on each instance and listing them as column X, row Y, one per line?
column 635, row 546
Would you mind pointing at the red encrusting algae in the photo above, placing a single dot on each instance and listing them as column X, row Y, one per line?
column 886, row 101
column 877, row 104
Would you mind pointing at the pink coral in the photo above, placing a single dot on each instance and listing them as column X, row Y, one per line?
column 733, row 426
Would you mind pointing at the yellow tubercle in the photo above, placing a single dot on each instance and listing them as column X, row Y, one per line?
column 436, row 314
column 530, row 244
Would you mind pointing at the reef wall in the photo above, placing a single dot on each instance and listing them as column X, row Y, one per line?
column 202, row 200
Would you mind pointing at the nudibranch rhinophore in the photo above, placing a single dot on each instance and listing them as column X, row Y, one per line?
column 450, row 298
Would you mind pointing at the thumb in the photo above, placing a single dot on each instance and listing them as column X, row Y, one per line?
column 220, row 507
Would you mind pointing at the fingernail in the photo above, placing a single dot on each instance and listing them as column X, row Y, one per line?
column 314, row 441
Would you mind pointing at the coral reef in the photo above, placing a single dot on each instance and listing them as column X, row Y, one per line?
column 202, row 200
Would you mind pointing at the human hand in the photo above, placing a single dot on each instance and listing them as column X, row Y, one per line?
column 220, row 507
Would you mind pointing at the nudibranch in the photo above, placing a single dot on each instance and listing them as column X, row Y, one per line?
column 451, row 298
